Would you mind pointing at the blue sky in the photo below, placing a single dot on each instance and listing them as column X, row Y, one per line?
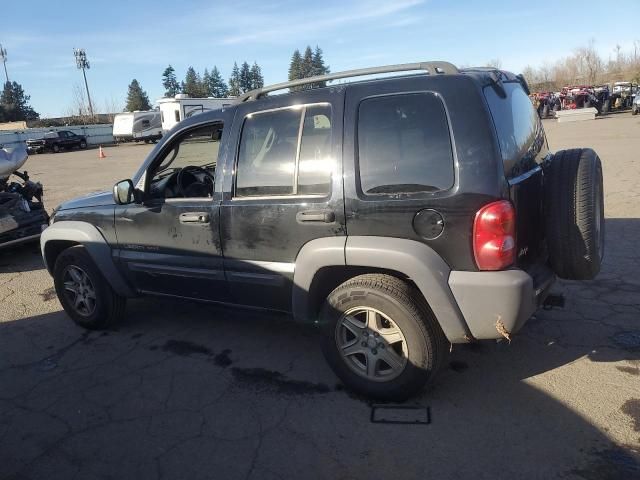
column 139, row 38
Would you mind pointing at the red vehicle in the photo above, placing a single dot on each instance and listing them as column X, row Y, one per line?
column 546, row 102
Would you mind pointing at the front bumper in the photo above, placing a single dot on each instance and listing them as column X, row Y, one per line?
column 497, row 303
column 35, row 148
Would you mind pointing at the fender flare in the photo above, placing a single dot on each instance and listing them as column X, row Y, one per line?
column 415, row 260
column 99, row 250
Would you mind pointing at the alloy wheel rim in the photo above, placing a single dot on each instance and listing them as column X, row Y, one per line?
column 371, row 344
column 79, row 290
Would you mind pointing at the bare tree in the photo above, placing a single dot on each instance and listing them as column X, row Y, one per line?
column 495, row 63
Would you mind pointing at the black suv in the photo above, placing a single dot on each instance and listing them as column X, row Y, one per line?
column 56, row 141
column 401, row 214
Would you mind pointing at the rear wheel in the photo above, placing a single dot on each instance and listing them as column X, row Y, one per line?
column 380, row 337
column 634, row 109
column 83, row 145
column 83, row 292
column 574, row 209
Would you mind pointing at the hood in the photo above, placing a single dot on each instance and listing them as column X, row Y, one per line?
column 97, row 199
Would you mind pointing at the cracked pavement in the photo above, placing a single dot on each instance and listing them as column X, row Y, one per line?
column 187, row 390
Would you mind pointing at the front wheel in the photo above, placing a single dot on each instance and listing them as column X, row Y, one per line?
column 83, row 292
column 380, row 337
column 55, row 148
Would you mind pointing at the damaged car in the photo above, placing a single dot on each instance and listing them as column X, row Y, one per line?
column 22, row 212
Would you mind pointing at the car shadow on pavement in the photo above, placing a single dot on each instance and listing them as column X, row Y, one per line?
column 187, row 390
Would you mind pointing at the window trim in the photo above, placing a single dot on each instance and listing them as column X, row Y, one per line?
column 166, row 148
column 413, row 195
column 295, row 195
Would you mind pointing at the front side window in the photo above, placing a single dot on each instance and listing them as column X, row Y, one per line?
column 187, row 170
column 285, row 152
column 404, row 145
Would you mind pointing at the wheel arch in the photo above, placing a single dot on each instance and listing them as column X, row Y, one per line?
column 325, row 263
column 62, row 235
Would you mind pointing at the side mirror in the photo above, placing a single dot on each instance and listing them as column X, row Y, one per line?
column 124, row 192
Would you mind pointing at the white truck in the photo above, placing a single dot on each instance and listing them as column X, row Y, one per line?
column 176, row 109
column 137, row 126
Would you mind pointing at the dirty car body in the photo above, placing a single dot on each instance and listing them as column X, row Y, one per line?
column 400, row 214
column 22, row 212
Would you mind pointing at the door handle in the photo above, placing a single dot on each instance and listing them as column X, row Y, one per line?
column 323, row 216
column 194, row 217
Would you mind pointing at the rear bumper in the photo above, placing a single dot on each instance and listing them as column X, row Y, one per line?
column 494, row 303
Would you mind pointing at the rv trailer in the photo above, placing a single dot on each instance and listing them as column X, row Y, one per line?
column 176, row 109
column 137, row 126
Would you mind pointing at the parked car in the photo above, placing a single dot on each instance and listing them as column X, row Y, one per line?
column 56, row 141
column 401, row 214
column 22, row 212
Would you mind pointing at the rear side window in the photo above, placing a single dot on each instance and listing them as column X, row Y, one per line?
column 516, row 121
column 404, row 145
column 285, row 152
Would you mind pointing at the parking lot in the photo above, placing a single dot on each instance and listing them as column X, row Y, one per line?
column 187, row 390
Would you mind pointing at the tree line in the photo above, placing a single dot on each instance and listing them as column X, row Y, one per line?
column 211, row 84
column 585, row 66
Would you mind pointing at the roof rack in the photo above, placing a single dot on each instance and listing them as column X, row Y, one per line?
column 436, row 67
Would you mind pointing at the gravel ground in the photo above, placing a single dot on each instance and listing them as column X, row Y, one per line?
column 186, row 390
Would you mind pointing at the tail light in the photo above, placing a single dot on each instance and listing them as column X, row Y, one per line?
column 494, row 237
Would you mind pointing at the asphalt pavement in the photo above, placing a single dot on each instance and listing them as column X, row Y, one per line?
column 188, row 390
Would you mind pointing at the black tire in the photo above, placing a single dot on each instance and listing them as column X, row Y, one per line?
column 108, row 306
column 545, row 111
column 557, row 107
column 55, row 148
column 587, row 103
column 574, row 210
column 83, row 145
column 634, row 110
column 426, row 344
column 606, row 106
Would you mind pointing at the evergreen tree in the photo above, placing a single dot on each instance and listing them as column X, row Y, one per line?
column 191, row 84
column 137, row 98
column 169, row 82
column 245, row 77
column 206, row 80
column 257, row 80
column 216, row 86
column 318, row 67
column 295, row 66
column 306, row 69
column 234, row 81
column 14, row 104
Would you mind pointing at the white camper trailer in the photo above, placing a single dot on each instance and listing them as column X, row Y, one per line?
column 182, row 106
column 137, row 126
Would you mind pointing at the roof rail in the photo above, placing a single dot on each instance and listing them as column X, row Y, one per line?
column 436, row 67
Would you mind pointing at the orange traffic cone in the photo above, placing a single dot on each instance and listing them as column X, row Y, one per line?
column 101, row 153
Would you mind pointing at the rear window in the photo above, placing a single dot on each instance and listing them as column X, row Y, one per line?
column 516, row 121
column 404, row 145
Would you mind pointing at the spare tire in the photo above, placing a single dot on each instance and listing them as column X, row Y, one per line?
column 574, row 211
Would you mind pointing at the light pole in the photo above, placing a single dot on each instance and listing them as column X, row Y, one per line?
column 3, row 57
column 83, row 64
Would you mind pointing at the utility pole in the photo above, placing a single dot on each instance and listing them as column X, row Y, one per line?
column 83, row 64
column 3, row 57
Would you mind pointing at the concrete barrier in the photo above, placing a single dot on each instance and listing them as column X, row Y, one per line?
column 577, row 115
column 96, row 134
